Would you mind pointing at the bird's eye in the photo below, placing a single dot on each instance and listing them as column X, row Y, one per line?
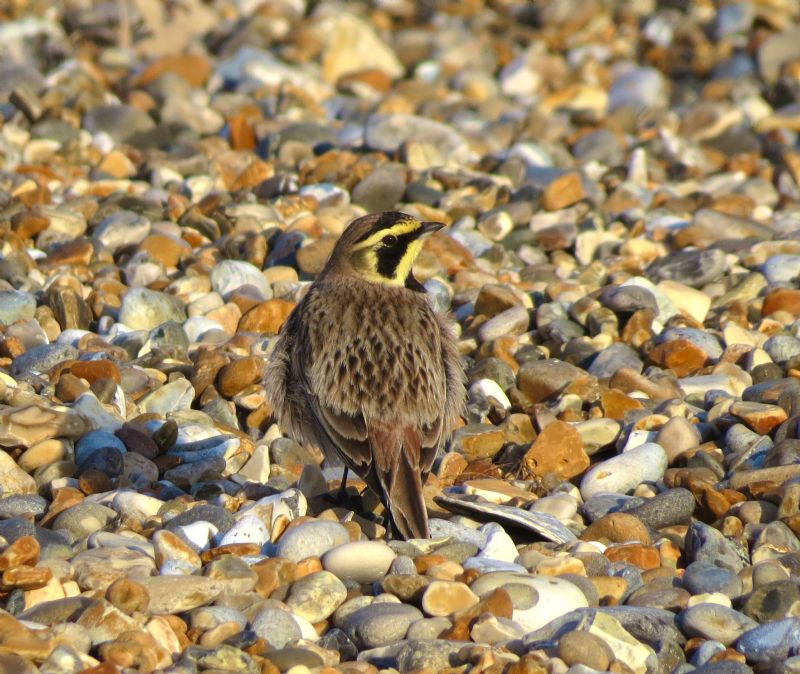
column 389, row 240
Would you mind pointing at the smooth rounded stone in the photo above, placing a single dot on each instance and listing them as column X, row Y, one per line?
column 145, row 309
column 694, row 268
column 311, row 539
column 22, row 504
column 772, row 601
column 315, row 597
column 704, row 577
column 95, row 440
column 677, row 436
column 669, row 507
column 233, row 572
column 428, row 628
column 638, row 88
column 537, row 599
column 139, row 506
column 512, row 321
column 603, row 503
column 612, row 359
column 123, row 228
column 108, row 539
column 230, row 276
column 387, row 132
column 15, row 528
column 705, row 341
column 435, row 655
column 97, row 568
column 84, row 518
column 380, row 623
column 248, row 529
column 107, row 460
column 359, row 561
column 444, row 597
column 627, row 299
column 705, row 543
column 121, row 122
column 16, row 305
column 42, row 358
column 782, row 348
column 624, row 472
column 175, row 395
column 493, row 369
column 781, row 269
column 381, row 189
column 208, row 617
column 585, row 648
column 770, row 642
column 14, row 480
column 220, row 518
column 175, row 594
column 716, row 622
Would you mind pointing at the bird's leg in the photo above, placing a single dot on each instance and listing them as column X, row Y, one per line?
column 342, row 495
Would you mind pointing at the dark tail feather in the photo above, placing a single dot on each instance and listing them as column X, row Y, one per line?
column 396, row 461
column 405, row 502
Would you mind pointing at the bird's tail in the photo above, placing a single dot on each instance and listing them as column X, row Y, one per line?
column 396, row 456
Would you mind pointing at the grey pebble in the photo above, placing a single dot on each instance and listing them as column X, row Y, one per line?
column 380, row 623
column 41, row 358
column 16, row 305
column 672, row 506
column 612, row 359
column 704, row 576
column 715, row 621
column 311, row 539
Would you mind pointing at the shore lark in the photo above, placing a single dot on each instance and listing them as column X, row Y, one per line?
column 365, row 369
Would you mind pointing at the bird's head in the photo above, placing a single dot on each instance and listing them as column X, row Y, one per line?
column 382, row 247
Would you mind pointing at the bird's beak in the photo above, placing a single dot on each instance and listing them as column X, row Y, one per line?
column 430, row 228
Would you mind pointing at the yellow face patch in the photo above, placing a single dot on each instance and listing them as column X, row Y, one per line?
column 387, row 255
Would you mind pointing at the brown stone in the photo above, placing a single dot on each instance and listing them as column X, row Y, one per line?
column 128, row 596
column 94, row 481
column 76, row 253
column 29, row 223
column 498, row 604
column 17, row 639
column 616, row 528
column 206, row 368
column 564, row 191
column 494, row 299
column 272, row 573
column 781, row 299
column 616, row 404
column 24, row 551
column 610, row 589
column 92, row 370
column 64, row 498
column 26, row 577
column 239, row 374
column 194, row 68
column 255, row 173
column 407, row 587
column 558, row 449
column 679, row 355
column 242, row 134
column 444, row 597
column 643, row 556
column 761, row 417
column 168, row 250
column 267, row 317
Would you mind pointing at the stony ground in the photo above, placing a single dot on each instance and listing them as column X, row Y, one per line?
column 621, row 180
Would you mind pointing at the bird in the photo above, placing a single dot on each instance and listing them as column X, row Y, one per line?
column 368, row 371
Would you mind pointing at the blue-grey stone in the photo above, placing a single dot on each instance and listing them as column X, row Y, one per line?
column 702, row 577
column 701, row 339
column 21, row 504
column 782, row 348
column 705, row 543
column 616, row 356
column 93, row 441
column 16, row 305
column 716, row 622
column 770, row 642
column 782, row 269
column 42, row 358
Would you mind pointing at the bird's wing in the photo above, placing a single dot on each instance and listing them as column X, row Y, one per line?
column 396, row 452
